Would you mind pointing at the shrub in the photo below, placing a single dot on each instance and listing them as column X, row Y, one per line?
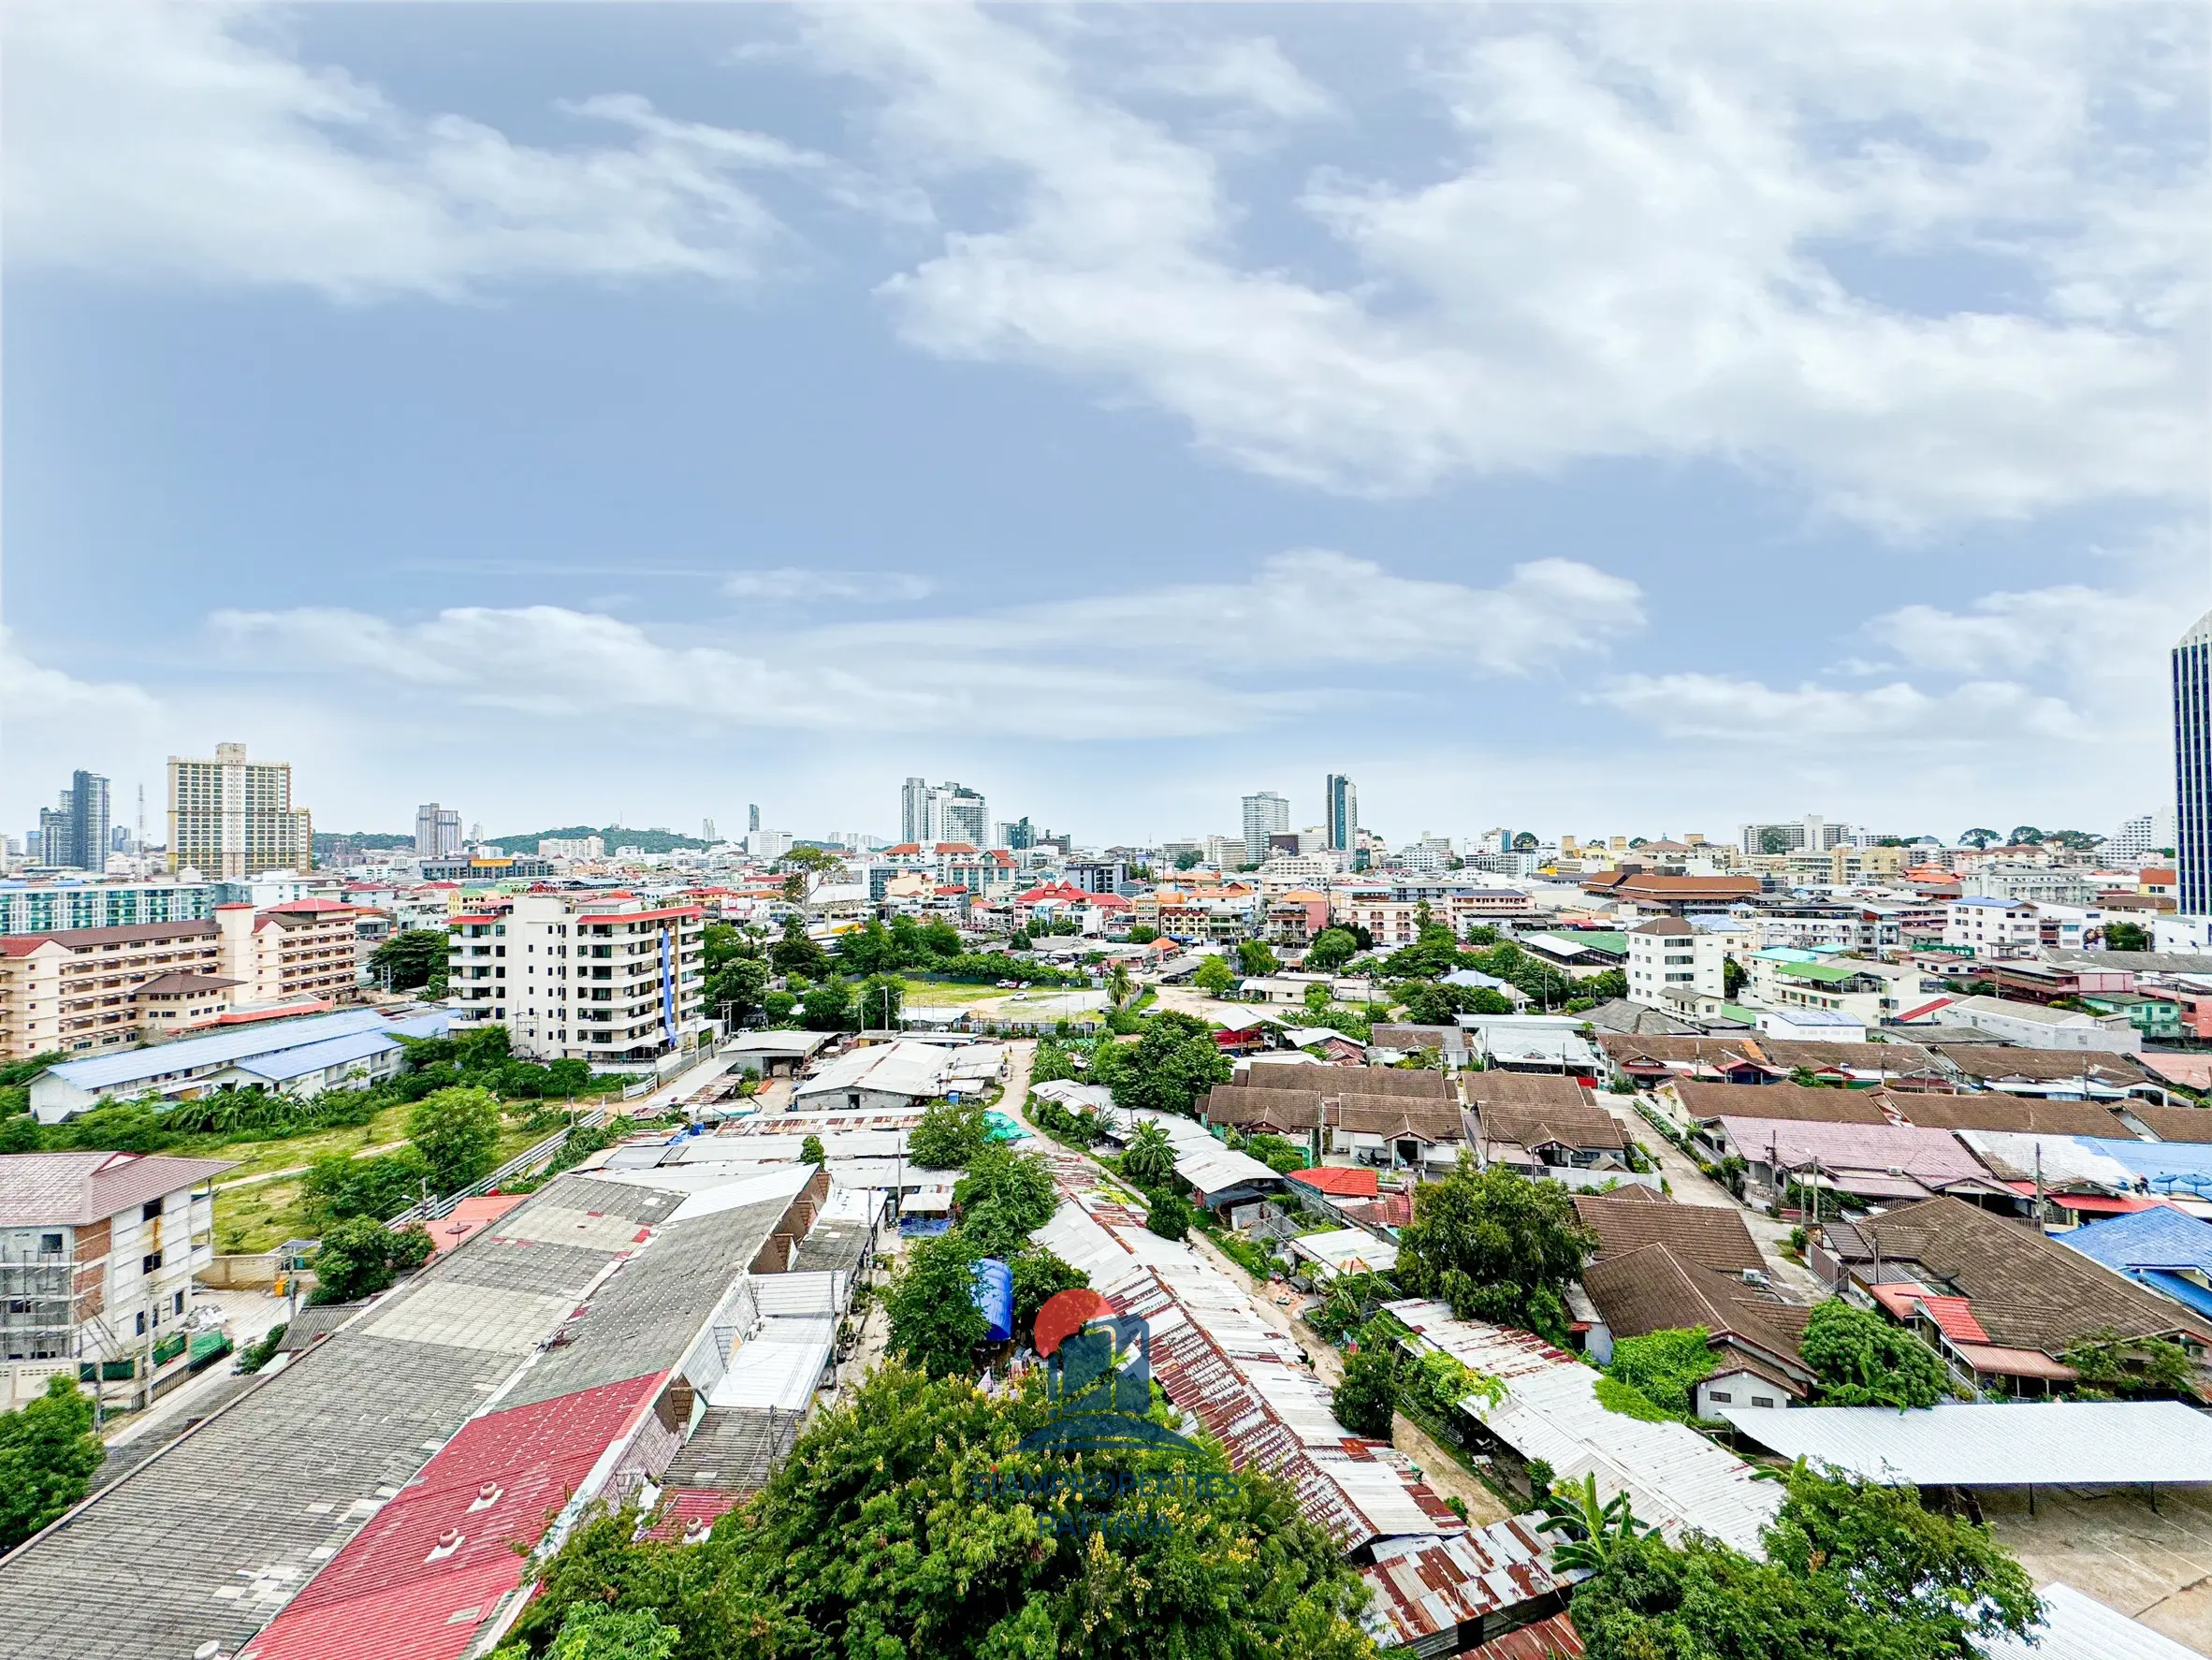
column 1366, row 1402
column 361, row 1256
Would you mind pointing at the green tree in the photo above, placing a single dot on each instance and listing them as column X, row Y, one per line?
column 2025, row 836
column 1278, row 1155
column 1592, row 1533
column 413, row 957
column 1144, row 934
column 48, row 1454
column 595, row 1632
column 1119, row 987
column 2125, row 937
column 810, row 1151
column 1976, row 838
column 1038, row 1275
column 828, row 1007
column 2129, row 1367
column 1601, row 988
column 1850, row 1569
column 1189, row 859
column 950, row 1135
column 1214, row 976
column 1255, row 959
column 1495, row 1247
column 1174, row 1062
column 360, row 1257
column 935, row 1322
column 1004, row 1198
column 1665, row 1367
column 795, row 954
column 1331, row 950
column 1774, row 839
column 1167, row 1214
column 1365, row 1402
column 735, row 991
column 889, row 1532
column 337, row 1187
column 456, row 1131
column 1863, row 1360
column 1151, row 1156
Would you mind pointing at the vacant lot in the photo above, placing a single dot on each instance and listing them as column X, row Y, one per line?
column 2150, row 1564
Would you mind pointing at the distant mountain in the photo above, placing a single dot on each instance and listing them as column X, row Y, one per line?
column 653, row 841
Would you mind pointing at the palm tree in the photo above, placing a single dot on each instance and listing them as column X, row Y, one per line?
column 1118, row 985
column 1151, row 1156
column 1593, row 1531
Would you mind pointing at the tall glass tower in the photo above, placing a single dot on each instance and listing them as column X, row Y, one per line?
column 2193, row 767
column 1341, row 804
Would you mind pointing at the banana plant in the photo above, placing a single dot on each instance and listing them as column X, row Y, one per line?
column 1589, row 1532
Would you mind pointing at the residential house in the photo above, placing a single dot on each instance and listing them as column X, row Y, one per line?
column 1869, row 993
column 2160, row 1248
column 97, row 1251
column 1673, row 965
column 1868, row 1163
column 2001, row 1301
column 2037, row 1025
column 2022, row 1115
column 2076, row 1074
column 1629, row 1218
column 1992, row 927
column 1396, row 1130
column 1545, row 1125
column 1706, row 1104
column 1753, row 1334
column 604, row 978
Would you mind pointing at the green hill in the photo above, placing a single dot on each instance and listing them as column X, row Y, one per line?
column 653, row 841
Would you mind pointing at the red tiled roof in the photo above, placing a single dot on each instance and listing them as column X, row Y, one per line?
column 1342, row 1180
column 395, row 1591
column 684, row 1507
column 1954, row 1317
column 470, row 1217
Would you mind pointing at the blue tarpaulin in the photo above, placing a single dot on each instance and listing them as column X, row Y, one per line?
column 993, row 1292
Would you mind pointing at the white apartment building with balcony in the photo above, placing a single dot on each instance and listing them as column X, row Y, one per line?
column 97, row 1251
column 1992, row 927
column 576, row 978
column 1672, row 962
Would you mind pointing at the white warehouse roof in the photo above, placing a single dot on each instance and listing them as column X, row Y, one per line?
column 2040, row 1443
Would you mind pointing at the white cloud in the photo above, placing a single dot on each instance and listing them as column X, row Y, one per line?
column 1174, row 662
column 1248, row 72
column 36, row 696
column 1730, row 708
column 152, row 140
column 1652, row 245
column 795, row 585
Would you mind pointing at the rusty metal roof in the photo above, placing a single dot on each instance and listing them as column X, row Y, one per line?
column 1422, row 1587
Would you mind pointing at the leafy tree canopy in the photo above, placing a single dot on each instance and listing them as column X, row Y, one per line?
column 1365, row 1402
column 48, row 1454
column 950, row 1135
column 796, row 953
column 1004, row 1198
column 411, row 958
column 1495, row 1247
column 1255, row 957
column 1151, row 1156
column 1863, row 1360
column 1214, row 976
column 1665, row 1367
column 934, row 1324
column 456, row 1131
column 2111, row 1365
column 360, row 1257
column 1174, row 1062
column 889, row 1534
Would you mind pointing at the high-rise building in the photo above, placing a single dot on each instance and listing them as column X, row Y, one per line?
column 942, row 812
column 1264, row 814
column 2138, row 839
column 437, row 831
column 1340, row 811
column 74, row 834
column 752, row 816
column 1812, row 834
column 230, row 818
column 1015, row 837
column 707, row 831
column 2193, row 767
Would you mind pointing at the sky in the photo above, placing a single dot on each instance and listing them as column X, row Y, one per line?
column 1598, row 419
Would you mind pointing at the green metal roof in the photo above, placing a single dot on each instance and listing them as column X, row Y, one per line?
column 1827, row 973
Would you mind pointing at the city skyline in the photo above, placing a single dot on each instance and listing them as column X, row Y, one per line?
column 1536, row 541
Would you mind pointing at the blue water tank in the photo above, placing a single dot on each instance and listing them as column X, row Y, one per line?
column 992, row 1289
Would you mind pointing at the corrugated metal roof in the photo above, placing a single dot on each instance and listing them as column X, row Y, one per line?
column 105, row 1071
column 1674, row 1477
column 2079, row 1627
column 1343, row 1250
column 1422, row 1587
column 287, row 1064
column 2045, row 1443
column 2160, row 1237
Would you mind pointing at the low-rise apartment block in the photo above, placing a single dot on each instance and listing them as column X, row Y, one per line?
column 88, row 990
column 574, row 977
column 65, row 907
column 306, row 949
column 97, row 1251
column 1672, row 962
column 1990, row 926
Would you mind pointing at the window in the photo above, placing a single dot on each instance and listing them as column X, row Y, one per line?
column 151, row 1211
column 152, row 1261
column 1757, row 1399
column 180, row 1302
column 49, row 1245
column 1719, row 1394
column 141, row 1322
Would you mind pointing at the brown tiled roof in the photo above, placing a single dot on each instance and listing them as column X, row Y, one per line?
column 1793, row 1103
column 1867, row 1057
column 1495, row 1088
column 2017, row 1113
column 1994, row 1060
column 1673, row 1046
column 177, row 984
column 1703, row 1233
column 1534, row 1126
column 1780, row 1053
column 1285, row 1109
column 1391, row 1081
column 78, row 1187
column 2173, row 1124
column 2026, row 1290
column 1657, row 1289
column 132, row 934
column 1398, row 1116
column 1417, row 1037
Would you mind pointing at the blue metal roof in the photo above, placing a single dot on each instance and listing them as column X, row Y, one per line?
column 2169, row 1166
column 105, row 1072
column 2158, row 1238
column 287, row 1064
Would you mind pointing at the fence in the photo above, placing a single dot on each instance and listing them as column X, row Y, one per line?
column 433, row 1210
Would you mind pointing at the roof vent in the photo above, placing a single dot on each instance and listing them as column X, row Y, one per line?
column 449, row 1542
column 487, row 1496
